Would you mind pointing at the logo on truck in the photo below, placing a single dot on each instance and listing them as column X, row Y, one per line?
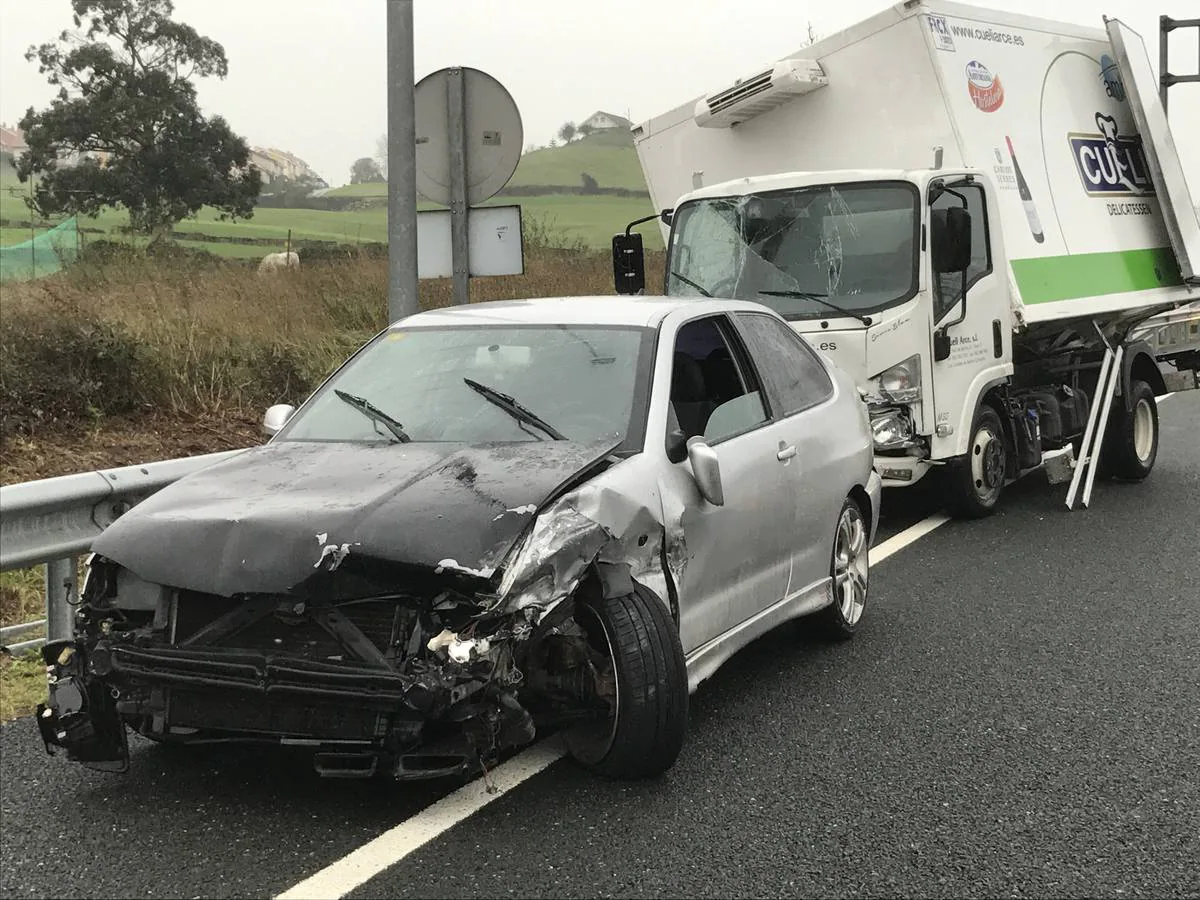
column 1110, row 164
column 985, row 89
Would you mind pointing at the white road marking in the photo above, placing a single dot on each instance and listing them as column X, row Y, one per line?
column 341, row 877
column 363, row 864
column 912, row 534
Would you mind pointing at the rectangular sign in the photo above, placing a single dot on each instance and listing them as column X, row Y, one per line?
column 494, row 242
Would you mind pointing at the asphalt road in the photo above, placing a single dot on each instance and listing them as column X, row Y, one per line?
column 1020, row 716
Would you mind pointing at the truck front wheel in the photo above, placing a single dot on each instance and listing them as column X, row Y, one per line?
column 1131, row 440
column 977, row 479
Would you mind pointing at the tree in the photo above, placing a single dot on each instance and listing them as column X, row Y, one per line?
column 381, row 155
column 567, row 132
column 585, row 130
column 590, row 185
column 291, row 192
column 126, row 93
column 365, row 171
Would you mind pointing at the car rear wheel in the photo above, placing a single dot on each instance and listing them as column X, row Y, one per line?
column 850, row 571
column 645, row 686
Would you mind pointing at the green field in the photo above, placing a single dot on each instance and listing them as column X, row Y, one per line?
column 569, row 218
column 607, row 156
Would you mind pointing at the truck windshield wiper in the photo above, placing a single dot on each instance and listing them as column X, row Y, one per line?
column 375, row 414
column 690, row 283
column 515, row 409
column 820, row 298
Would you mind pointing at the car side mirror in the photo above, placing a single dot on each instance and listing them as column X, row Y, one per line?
column 629, row 263
column 706, row 469
column 950, row 232
column 276, row 417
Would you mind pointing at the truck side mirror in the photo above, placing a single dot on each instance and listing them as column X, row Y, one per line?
column 950, row 239
column 629, row 263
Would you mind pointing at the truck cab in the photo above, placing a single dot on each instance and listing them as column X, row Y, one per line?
column 894, row 275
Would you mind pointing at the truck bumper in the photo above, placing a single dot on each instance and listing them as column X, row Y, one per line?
column 900, row 471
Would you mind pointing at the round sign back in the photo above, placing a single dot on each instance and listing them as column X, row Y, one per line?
column 493, row 135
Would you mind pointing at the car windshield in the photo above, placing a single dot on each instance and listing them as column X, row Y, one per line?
column 485, row 384
column 803, row 251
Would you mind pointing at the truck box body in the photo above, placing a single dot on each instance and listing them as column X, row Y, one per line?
column 1085, row 228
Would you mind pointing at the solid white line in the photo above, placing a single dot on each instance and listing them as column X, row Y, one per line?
column 343, row 876
column 913, row 533
column 361, row 865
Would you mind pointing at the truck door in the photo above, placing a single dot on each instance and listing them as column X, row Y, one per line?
column 979, row 332
column 1140, row 84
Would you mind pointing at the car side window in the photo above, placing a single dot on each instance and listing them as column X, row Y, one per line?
column 794, row 375
column 948, row 286
column 713, row 392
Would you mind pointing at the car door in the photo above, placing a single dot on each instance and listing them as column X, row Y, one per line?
column 802, row 395
column 737, row 553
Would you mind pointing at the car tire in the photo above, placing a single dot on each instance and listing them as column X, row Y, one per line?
column 850, row 571
column 646, row 732
column 977, row 479
column 1131, row 439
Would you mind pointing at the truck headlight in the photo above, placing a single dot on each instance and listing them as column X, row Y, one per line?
column 891, row 428
column 901, row 383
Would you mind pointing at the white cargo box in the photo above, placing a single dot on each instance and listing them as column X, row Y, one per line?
column 1109, row 222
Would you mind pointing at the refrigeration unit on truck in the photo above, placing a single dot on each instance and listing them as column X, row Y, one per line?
column 969, row 211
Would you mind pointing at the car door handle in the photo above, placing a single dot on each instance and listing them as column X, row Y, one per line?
column 786, row 453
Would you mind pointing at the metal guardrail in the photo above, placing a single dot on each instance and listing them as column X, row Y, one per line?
column 55, row 520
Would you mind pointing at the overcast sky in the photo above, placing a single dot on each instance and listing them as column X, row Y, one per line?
column 308, row 76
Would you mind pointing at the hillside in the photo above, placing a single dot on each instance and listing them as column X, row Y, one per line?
column 608, row 156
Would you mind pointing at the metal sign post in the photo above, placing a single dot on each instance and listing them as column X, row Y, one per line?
column 456, row 120
column 402, row 164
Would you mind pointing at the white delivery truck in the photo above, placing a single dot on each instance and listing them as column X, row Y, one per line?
column 966, row 209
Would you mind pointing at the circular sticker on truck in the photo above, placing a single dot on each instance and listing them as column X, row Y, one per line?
column 985, row 89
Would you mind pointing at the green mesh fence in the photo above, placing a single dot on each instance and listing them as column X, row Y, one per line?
column 43, row 255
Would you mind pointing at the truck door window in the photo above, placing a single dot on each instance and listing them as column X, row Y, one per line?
column 947, row 286
column 713, row 392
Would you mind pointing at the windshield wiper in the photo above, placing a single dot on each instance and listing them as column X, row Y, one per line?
column 820, row 298
column 375, row 414
column 690, row 283
column 515, row 409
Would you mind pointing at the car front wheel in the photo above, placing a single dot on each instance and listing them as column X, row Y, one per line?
column 646, row 688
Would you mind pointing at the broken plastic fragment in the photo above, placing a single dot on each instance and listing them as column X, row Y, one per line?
column 439, row 641
column 453, row 564
column 335, row 553
column 527, row 510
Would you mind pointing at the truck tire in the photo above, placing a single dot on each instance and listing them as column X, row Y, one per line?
column 1131, row 439
column 645, row 734
column 976, row 480
column 850, row 569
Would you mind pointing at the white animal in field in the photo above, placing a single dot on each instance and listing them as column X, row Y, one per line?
column 273, row 261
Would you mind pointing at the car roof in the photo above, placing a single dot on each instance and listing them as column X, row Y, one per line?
column 610, row 309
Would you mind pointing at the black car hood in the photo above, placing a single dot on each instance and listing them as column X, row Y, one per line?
column 268, row 519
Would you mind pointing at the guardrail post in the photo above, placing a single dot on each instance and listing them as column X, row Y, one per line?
column 60, row 588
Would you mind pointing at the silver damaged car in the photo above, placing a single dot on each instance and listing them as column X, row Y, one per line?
column 491, row 522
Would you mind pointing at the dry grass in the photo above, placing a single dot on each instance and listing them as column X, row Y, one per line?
column 190, row 354
column 22, row 685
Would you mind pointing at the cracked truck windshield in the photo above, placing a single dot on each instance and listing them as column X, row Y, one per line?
column 801, row 251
